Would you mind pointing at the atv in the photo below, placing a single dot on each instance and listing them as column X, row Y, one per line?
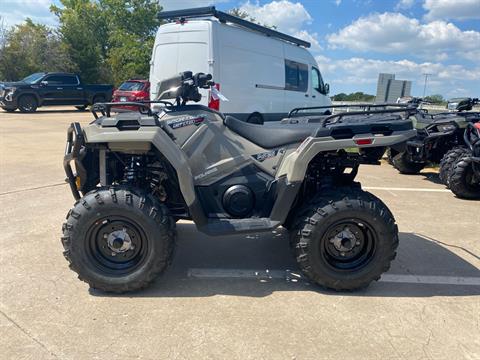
column 437, row 134
column 464, row 172
column 134, row 175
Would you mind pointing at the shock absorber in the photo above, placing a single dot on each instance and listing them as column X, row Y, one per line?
column 133, row 170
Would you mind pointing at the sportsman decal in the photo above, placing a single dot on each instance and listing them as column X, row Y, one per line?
column 185, row 121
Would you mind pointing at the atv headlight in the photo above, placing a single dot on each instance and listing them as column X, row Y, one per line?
column 446, row 127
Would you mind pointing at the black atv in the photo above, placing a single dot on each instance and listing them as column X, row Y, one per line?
column 464, row 172
column 133, row 175
column 436, row 135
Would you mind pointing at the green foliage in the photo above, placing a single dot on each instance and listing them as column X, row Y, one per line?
column 29, row 48
column 109, row 40
column 435, row 99
column 357, row 96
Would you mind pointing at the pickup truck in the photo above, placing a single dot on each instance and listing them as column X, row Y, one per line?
column 45, row 89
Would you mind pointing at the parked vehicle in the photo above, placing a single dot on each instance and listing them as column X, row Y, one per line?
column 464, row 172
column 264, row 73
column 46, row 89
column 132, row 90
column 437, row 134
column 137, row 174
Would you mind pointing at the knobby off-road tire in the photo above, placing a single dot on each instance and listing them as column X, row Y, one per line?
column 462, row 181
column 448, row 161
column 321, row 226
column 404, row 166
column 118, row 239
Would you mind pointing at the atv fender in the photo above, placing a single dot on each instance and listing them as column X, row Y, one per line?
column 295, row 165
column 139, row 142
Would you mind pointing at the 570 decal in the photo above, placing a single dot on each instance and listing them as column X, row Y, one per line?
column 267, row 155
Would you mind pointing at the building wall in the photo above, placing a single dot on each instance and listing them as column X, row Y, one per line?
column 389, row 89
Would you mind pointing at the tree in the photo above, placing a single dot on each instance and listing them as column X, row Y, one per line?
column 84, row 30
column 435, row 99
column 110, row 40
column 30, row 48
column 132, row 27
column 357, row 96
column 246, row 16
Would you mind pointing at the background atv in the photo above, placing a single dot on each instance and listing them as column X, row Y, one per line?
column 436, row 135
column 136, row 174
column 464, row 175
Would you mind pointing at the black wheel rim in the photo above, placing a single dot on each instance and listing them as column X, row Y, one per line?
column 111, row 253
column 348, row 245
column 27, row 103
column 470, row 179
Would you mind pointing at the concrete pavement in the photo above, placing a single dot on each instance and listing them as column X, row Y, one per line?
column 209, row 305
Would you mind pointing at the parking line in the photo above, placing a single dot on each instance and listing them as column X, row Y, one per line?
column 295, row 276
column 404, row 189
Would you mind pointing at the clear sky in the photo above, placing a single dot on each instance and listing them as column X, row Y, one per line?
column 354, row 40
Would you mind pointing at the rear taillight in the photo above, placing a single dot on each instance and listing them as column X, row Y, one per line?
column 477, row 125
column 363, row 141
column 212, row 103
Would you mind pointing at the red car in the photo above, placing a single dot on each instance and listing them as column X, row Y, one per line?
column 132, row 90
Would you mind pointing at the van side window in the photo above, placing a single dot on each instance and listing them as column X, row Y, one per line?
column 317, row 81
column 296, row 76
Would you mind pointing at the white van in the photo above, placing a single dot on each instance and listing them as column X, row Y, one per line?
column 263, row 73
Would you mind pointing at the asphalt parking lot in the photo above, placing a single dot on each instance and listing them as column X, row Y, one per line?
column 234, row 297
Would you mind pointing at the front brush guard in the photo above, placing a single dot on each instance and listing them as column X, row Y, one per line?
column 73, row 153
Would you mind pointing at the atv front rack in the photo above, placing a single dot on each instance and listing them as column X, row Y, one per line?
column 106, row 108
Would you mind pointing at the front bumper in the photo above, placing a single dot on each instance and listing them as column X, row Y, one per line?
column 7, row 100
column 73, row 154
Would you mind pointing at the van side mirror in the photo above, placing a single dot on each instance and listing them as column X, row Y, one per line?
column 326, row 88
column 44, row 83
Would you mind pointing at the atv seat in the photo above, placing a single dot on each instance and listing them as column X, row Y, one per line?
column 270, row 135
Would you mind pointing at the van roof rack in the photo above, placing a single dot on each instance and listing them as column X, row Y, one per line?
column 224, row 17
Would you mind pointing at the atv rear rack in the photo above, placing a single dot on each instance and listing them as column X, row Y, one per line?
column 367, row 108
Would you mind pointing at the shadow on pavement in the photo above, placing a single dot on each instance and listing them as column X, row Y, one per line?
column 432, row 176
column 417, row 255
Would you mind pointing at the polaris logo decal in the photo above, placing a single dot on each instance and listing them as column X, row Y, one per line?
column 206, row 173
column 185, row 121
column 267, row 155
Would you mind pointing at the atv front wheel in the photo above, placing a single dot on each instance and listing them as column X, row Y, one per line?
column 464, row 182
column 345, row 239
column 118, row 239
column 405, row 166
column 448, row 161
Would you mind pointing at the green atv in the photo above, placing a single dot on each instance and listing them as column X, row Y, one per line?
column 134, row 175
column 437, row 134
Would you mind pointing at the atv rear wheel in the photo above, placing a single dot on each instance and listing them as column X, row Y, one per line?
column 464, row 182
column 448, row 161
column 118, row 239
column 345, row 239
column 405, row 166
